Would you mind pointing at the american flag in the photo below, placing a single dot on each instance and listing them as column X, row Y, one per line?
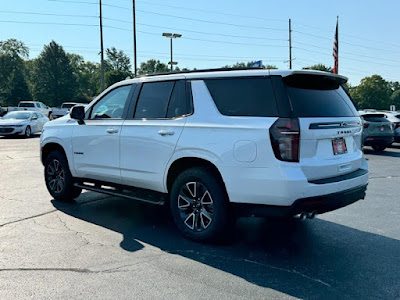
column 336, row 50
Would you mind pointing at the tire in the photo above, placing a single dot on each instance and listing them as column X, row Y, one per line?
column 28, row 132
column 58, row 178
column 199, row 204
column 378, row 147
column 49, row 116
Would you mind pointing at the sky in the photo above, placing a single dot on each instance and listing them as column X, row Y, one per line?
column 216, row 33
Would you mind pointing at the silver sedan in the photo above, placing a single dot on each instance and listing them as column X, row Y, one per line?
column 23, row 123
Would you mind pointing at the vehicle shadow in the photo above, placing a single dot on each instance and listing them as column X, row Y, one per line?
column 386, row 152
column 19, row 137
column 310, row 260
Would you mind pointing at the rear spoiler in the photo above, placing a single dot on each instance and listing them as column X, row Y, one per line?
column 323, row 75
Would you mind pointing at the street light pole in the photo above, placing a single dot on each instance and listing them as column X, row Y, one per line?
column 172, row 36
column 134, row 38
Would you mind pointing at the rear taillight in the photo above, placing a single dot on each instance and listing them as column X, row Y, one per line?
column 285, row 139
column 366, row 125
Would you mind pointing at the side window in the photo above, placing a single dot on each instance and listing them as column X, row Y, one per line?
column 112, row 105
column 37, row 105
column 177, row 104
column 252, row 97
column 153, row 100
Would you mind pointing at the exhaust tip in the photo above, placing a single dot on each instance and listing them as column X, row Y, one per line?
column 313, row 214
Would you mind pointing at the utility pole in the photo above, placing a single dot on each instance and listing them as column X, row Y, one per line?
column 101, row 49
column 134, row 38
column 290, row 44
column 172, row 36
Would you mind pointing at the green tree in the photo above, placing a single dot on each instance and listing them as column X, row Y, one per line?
column 372, row 92
column 395, row 99
column 13, row 85
column 114, row 76
column 54, row 81
column 319, row 67
column 248, row 65
column 152, row 66
column 14, row 48
column 117, row 60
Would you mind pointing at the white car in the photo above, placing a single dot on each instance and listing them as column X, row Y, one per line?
column 23, row 123
column 63, row 110
column 32, row 106
column 213, row 144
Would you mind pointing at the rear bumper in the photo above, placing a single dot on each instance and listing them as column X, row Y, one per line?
column 381, row 140
column 321, row 204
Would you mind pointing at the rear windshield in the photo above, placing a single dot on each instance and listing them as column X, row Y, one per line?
column 315, row 96
column 69, row 105
column 252, row 97
column 375, row 118
column 26, row 105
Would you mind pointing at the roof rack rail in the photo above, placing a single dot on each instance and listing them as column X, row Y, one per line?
column 202, row 71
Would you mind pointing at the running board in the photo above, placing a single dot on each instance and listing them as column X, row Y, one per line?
column 145, row 195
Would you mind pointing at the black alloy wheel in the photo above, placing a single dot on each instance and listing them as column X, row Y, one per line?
column 199, row 204
column 59, row 180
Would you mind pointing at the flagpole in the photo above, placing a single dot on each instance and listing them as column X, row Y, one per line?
column 337, row 22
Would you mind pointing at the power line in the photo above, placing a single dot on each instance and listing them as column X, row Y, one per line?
column 215, row 12
column 46, row 14
column 343, row 57
column 48, row 23
column 212, row 22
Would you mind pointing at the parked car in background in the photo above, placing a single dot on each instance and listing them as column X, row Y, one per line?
column 2, row 111
column 378, row 130
column 23, row 123
column 394, row 117
column 63, row 110
column 33, row 106
column 210, row 143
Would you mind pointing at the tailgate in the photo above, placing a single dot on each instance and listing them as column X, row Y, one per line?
column 330, row 147
column 330, row 126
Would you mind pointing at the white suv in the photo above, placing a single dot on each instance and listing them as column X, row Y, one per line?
column 212, row 144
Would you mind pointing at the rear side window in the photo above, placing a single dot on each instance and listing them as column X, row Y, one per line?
column 178, row 103
column 318, row 98
column 153, row 100
column 243, row 96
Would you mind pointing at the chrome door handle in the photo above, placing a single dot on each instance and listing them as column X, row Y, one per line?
column 165, row 132
column 112, row 130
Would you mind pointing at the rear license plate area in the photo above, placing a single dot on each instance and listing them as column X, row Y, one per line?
column 339, row 146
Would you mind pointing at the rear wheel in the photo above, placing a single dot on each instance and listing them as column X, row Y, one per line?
column 378, row 147
column 199, row 204
column 59, row 180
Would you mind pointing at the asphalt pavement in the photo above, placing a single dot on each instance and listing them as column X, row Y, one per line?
column 104, row 247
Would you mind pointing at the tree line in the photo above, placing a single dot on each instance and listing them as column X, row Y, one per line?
column 57, row 76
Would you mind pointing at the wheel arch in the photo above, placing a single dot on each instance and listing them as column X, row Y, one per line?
column 48, row 148
column 184, row 163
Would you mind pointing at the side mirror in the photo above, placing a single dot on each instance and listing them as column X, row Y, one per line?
column 78, row 113
column 34, row 118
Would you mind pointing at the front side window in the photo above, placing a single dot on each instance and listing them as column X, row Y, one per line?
column 153, row 100
column 112, row 105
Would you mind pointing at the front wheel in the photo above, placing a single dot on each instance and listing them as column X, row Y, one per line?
column 59, row 180
column 28, row 132
column 199, row 204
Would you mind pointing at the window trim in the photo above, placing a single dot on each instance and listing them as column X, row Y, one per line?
column 133, row 87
